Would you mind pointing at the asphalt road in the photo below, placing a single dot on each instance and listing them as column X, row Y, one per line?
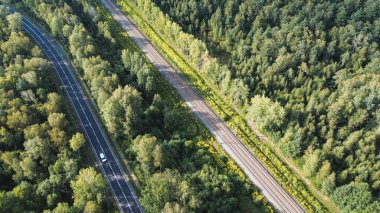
column 111, row 169
column 252, row 167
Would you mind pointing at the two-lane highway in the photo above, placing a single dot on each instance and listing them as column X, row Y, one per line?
column 252, row 167
column 111, row 168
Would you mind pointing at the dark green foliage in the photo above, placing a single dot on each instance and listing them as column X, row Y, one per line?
column 355, row 197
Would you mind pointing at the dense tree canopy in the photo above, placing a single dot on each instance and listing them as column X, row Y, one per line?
column 147, row 119
column 89, row 186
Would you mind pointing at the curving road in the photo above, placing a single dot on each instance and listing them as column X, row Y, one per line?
column 113, row 172
column 252, row 167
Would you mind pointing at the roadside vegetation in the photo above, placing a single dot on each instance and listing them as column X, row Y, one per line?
column 307, row 80
column 43, row 167
column 172, row 155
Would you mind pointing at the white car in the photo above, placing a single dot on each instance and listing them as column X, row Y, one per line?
column 102, row 157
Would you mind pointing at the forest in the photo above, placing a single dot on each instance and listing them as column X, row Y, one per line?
column 172, row 155
column 42, row 152
column 305, row 72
